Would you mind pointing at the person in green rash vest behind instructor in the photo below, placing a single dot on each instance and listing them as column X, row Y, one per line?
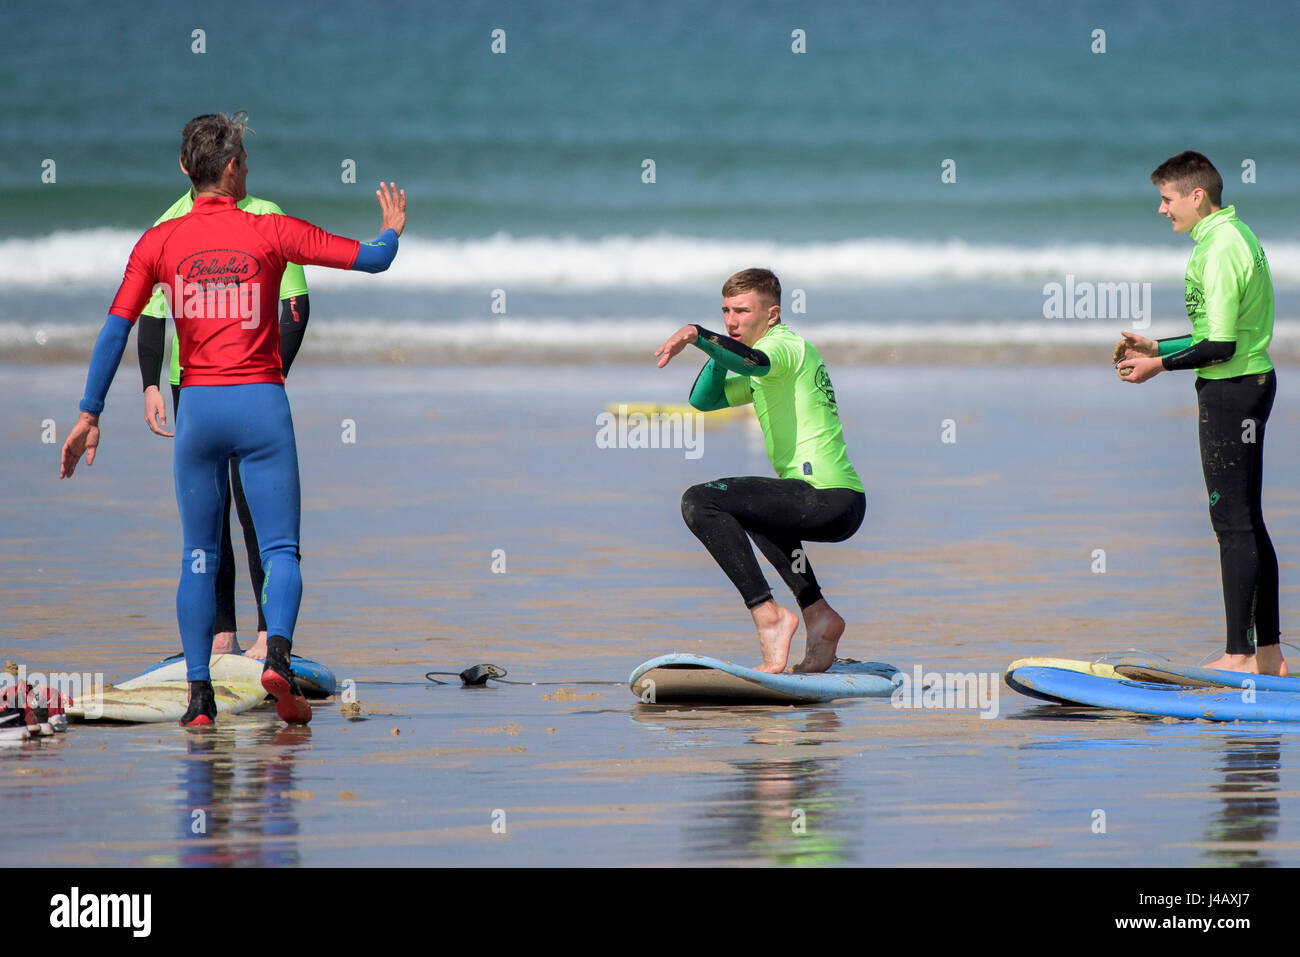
column 817, row 495
column 1229, row 296
column 294, row 312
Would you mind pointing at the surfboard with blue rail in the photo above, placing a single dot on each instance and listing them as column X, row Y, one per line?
column 315, row 680
column 1160, row 700
column 699, row 678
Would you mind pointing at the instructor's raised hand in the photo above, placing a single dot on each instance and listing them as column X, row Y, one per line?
column 392, row 206
column 82, row 440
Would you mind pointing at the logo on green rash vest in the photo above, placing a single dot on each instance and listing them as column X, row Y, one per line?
column 823, row 380
column 1194, row 299
column 1214, row 499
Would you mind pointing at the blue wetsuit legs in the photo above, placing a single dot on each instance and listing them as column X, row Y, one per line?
column 253, row 423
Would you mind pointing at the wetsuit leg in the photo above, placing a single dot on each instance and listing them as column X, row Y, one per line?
column 1233, row 414
column 779, row 514
column 200, row 454
column 224, row 614
column 225, row 619
column 268, row 467
column 250, row 542
column 790, row 560
column 294, row 313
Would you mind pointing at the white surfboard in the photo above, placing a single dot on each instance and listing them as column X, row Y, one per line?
column 688, row 677
column 163, row 695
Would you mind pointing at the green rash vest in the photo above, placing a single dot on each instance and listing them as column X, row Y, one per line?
column 292, row 283
column 1229, row 294
column 795, row 405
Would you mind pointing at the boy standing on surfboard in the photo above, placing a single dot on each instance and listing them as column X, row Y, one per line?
column 214, row 263
column 818, row 495
column 1229, row 298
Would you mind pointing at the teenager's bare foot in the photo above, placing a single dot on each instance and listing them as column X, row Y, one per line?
column 776, row 626
column 225, row 643
column 1242, row 663
column 259, row 648
column 824, row 628
column 1269, row 661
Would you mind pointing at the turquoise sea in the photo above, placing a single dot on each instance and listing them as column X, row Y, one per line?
column 525, row 167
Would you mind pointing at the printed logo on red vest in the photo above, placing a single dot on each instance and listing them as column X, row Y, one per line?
column 218, row 267
column 216, row 284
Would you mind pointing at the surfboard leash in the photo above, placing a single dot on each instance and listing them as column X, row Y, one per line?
column 476, row 676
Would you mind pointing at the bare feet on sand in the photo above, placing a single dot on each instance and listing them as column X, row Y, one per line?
column 824, row 628
column 225, row 643
column 259, row 648
column 1266, row 661
column 776, row 626
column 1269, row 661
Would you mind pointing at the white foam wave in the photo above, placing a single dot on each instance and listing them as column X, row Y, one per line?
column 560, row 263
column 626, row 338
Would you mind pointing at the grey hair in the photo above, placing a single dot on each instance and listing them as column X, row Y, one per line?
column 209, row 142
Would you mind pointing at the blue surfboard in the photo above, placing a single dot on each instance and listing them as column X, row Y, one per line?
column 683, row 677
column 1164, row 700
column 315, row 680
column 1193, row 676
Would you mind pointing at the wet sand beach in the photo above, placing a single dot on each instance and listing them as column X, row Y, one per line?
column 974, row 552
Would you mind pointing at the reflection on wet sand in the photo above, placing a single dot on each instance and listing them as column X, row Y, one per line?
column 233, row 792
column 1249, row 812
column 787, row 811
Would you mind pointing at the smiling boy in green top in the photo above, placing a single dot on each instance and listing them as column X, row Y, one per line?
column 1229, row 298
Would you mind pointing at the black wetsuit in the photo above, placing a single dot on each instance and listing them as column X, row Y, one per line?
column 779, row 515
column 1233, row 413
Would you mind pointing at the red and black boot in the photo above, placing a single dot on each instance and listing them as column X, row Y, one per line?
column 202, row 712
column 277, row 679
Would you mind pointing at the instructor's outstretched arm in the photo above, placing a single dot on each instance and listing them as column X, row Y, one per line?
column 378, row 255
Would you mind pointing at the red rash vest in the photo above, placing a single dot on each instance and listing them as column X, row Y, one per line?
column 222, row 269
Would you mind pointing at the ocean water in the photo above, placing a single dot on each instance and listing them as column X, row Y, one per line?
column 526, row 168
